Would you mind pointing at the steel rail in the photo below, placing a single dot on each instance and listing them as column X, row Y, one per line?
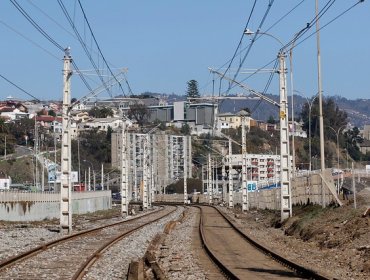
column 299, row 269
column 28, row 254
column 97, row 254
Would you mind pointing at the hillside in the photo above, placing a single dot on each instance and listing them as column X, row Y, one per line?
column 358, row 110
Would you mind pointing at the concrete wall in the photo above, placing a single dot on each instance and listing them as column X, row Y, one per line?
column 33, row 206
column 305, row 189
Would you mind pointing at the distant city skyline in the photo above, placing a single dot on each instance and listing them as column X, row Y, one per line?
column 165, row 44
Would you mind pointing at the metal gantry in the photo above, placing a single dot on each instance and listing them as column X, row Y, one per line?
column 124, row 173
column 231, row 188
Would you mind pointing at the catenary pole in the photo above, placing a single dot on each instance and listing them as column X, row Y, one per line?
column 66, row 186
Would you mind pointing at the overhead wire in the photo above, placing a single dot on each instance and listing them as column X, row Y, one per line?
column 101, row 53
column 18, row 87
column 46, row 35
column 28, row 39
column 83, row 44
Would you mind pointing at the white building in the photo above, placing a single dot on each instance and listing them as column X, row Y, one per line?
column 5, row 182
column 101, row 124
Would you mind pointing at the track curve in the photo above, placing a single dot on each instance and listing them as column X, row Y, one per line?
column 239, row 257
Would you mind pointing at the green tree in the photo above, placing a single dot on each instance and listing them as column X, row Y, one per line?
column 52, row 113
column 192, row 89
column 22, row 128
column 139, row 112
column 352, row 139
column 271, row 120
column 185, row 129
column 103, row 112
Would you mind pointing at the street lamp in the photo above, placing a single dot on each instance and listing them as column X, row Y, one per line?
column 286, row 202
column 309, row 124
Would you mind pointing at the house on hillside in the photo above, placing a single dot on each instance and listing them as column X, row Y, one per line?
column 5, row 181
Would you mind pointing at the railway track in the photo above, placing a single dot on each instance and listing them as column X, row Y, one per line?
column 71, row 257
column 239, row 257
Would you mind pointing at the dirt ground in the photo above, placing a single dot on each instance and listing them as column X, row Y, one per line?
column 334, row 240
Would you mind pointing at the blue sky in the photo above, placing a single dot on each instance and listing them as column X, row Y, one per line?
column 166, row 43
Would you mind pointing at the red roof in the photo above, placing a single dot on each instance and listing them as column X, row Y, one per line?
column 48, row 119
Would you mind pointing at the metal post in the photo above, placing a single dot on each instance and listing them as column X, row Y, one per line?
column 89, row 178
column 124, row 185
column 94, row 180
column 285, row 163
column 102, row 177
column 66, row 186
column 231, row 187
column 321, row 119
column 223, row 175
column 209, row 186
column 149, row 171
column 354, row 187
column 135, row 168
column 145, row 172
column 185, row 147
column 245, row 202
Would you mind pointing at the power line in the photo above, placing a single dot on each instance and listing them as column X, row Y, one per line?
column 87, row 52
column 18, row 87
column 34, row 24
column 97, row 45
column 47, row 36
column 28, row 39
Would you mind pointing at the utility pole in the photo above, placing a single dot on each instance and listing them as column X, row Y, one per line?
column 209, row 181
column 185, row 153
column 223, row 171
column 102, row 176
column 321, row 119
column 89, row 178
column 231, row 188
column 124, row 185
column 135, row 167
column 245, row 202
column 285, row 163
column 66, row 186
column 354, row 187
column 145, row 173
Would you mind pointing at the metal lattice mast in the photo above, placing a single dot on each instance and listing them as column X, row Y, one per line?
column 185, row 147
column 286, row 203
column 66, row 185
column 135, row 166
column 209, row 182
column 223, row 175
column 231, row 187
column 124, row 183
column 145, row 174
column 245, row 202
column 149, row 169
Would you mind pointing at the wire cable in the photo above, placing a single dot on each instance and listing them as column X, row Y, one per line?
column 47, row 36
column 87, row 52
column 101, row 53
column 21, row 89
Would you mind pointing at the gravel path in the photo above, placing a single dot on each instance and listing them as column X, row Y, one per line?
column 176, row 257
